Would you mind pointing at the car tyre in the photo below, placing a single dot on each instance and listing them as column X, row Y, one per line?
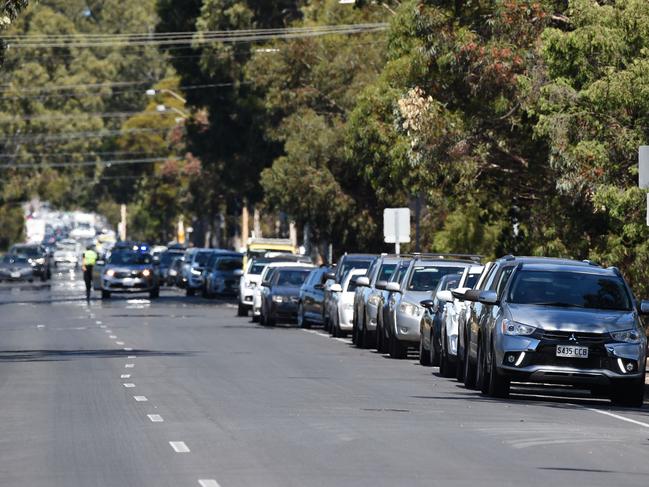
column 302, row 322
column 459, row 366
column 397, row 350
column 499, row 385
column 628, row 393
column 446, row 367
column 242, row 310
column 424, row 354
column 189, row 291
column 155, row 294
column 470, row 370
column 434, row 352
column 105, row 295
column 481, row 380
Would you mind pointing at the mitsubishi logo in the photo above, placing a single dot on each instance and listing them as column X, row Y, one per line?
column 573, row 338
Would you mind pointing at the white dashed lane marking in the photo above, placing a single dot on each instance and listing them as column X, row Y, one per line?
column 125, row 376
column 40, row 326
column 98, row 322
column 140, row 398
column 120, row 343
column 129, row 385
column 128, row 349
column 179, row 446
column 208, row 483
column 112, row 337
column 131, row 356
column 129, row 366
column 155, row 418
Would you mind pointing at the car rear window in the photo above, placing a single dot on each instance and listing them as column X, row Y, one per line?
column 570, row 290
column 426, row 278
column 202, row 258
column 228, row 265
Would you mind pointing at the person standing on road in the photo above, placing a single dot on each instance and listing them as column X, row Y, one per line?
column 88, row 264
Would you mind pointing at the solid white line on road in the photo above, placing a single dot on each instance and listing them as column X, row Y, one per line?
column 120, row 343
column 179, row 446
column 617, row 416
column 125, row 376
column 155, row 418
column 129, row 385
column 129, row 366
column 140, row 398
column 112, row 337
column 128, row 349
column 208, row 483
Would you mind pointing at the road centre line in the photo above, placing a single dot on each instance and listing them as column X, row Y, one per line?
column 98, row 322
column 112, row 337
column 103, row 327
column 140, row 398
column 128, row 349
column 208, row 483
column 179, row 446
column 40, row 326
column 119, row 343
column 131, row 356
column 129, row 366
column 129, row 385
column 617, row 416
column 155, row 418
column 125, row 376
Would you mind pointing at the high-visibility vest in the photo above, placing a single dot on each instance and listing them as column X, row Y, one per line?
column 89, row 257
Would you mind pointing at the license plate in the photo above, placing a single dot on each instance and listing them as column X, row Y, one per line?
column 128, row 282
column 572, row 351
column 15, row 275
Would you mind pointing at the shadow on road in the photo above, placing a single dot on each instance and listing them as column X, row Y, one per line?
column 60, row 355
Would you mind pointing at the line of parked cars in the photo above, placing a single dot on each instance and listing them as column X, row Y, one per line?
column 516, row 319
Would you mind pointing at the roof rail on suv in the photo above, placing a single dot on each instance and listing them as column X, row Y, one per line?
column 441, row 256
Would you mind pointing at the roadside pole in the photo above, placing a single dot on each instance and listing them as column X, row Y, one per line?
column 396, row 227
column 643, row 172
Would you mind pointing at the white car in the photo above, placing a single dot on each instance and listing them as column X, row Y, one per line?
column 250, row 281
column 341, row 312
column 68, row 252
column 265, row 275
column 454, row 310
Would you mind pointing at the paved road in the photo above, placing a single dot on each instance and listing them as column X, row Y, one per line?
column 179, row 392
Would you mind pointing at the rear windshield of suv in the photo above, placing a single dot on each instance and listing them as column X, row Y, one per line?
column 426, row 278
column 569, row 290
column 228, row 265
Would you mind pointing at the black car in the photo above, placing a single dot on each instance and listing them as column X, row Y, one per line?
column 37, row 257
column 280, row 302
column 311, row 298
column 166, row 259
column 16, row 268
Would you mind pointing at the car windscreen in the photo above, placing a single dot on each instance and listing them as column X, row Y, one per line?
column 167, row 257
column 386, row 272
column 472, row 280
column 130, row 258
column 570, row 290
column 14, row 259
column 27, row 251
column 426, row 278
column 257, row 268
column 202, row 258
column 228, row 265
column 348, row 265
column 450, row 283
column 292, row 278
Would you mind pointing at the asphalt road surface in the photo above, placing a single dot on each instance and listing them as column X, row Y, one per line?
column 180, row 392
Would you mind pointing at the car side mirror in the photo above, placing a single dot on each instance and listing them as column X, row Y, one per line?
column 238, row 273
column 488, row 297
column 427, row 303
column 336, row 288
column 319, row 286
column 459, row 293
column 380, row 285
column 393, row 287
column 330, row 275
column 644, row 307
column 471, row 295
column 445, row 296
column 266, row 284
column 362, row 281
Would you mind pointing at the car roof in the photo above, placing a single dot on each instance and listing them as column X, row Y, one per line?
column 571, row 267
column 274, row 265
column 546, row 260
column 303, row 267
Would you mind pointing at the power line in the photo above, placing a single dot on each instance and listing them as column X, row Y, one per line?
column 84, row 114
column 187, row 38
column 109, row 163
column 68, row 154
column 79, row 135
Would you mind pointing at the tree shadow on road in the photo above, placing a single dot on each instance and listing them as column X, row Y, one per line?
column 63, row 355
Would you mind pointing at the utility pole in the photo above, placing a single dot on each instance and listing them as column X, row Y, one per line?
column 122, row 224
column 245, row 216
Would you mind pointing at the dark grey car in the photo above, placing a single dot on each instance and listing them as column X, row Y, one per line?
column 280, row 302
column 566, row 324
column 16, row 268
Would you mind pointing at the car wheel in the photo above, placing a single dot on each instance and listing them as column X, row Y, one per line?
column 628, row 393
column 424, row 354
column 481, row 372
column 270, row 321
column 470, row 370
column 155, row 294
column 459, row 366
column 242, row 310
column 434, row 352
column 354, row 332
column 397, row 350
column 43, row 277
column 255, row 318
column 189, row 291
column 498, row 384
column 446, row 367
column 105, row 295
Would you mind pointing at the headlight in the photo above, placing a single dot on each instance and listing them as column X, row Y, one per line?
column 374, row 300
column 146, row 272
column 110, row 272
column 40, row 260
column 196, row 272
column 510, row 327
column 278, row 299
column 627, row 336
column 172, row 272
column 410, row 309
